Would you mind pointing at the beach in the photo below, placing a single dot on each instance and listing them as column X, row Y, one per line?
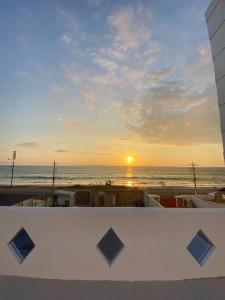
column 166, row 193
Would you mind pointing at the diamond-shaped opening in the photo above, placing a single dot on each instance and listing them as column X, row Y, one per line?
column 21, row 245
column 110, row 246
column 200, row 247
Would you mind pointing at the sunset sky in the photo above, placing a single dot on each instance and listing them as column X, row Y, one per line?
column 92, row 82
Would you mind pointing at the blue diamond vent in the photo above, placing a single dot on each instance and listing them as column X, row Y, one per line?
column 200, row 247
column 21, row 245
column 110, row 246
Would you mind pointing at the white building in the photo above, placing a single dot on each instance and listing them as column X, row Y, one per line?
column 215, row 18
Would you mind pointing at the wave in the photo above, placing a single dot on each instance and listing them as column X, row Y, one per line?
column 105, row 177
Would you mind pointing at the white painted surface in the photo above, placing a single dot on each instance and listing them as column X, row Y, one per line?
column 219, row 66
column 63, row 195
column 218, row 41
column 152, row 200
column 221, row 91
column 211, row 8
column 155, row 242
column 222, row 117
column 215, row 18
column 206, row 204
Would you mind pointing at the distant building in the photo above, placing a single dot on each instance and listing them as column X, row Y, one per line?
column 215, row 18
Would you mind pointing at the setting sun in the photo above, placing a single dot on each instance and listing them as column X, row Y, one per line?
column 130, row 159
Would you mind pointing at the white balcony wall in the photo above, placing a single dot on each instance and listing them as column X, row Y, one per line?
column 218, row 41
column 155, row 242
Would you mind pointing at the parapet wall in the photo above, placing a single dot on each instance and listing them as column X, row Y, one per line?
column 154, row 240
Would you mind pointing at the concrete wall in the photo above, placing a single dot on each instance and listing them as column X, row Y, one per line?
column 15, row 288
column 200, row 203
column 215, row 18
column 155, row 242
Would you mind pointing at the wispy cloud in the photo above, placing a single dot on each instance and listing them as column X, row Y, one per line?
column 176, row 111
column 72, row 72
column 22, row 41
column 23, row 74
column 95, row 2
column 131, row 30
column 90, row 97
column 106, row 63
column 29, row 144
column 61, row 151
column 57, row 89
column 75, row 125
column 66, row 39
column 67, row 17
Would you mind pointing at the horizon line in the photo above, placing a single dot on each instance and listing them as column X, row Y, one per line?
column 135, row 166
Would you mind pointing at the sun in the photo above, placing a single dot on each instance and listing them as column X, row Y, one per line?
column 130, row 159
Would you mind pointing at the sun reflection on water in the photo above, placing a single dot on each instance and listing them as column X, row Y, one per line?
column 129, row 174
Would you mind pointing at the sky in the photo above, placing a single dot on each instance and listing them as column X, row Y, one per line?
column 91, row 82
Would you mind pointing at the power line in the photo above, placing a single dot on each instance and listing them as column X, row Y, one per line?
column 194, row 176
column 53, row 174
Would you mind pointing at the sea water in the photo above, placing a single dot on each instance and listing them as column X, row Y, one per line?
column 127, row 175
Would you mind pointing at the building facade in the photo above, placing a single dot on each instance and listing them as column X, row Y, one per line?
column 215, row 18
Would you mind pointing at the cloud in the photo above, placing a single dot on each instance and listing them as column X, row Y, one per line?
column 90, row 98
column 69, row 19
column 199, row 68
column 116, row 52
column 29, row 145
column 22, row 41
column 151, row 53
column 160, row 76
column 75, row 125
column 57, row 89
column 66, row 39
column 72, row 73
column 176, row 111
column 23, row 74
column 172, row 114
column 131, row 30
column 106, row 63
column 61, row 151
column 95, row 2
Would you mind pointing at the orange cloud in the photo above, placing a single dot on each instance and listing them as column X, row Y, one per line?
column 75, row 125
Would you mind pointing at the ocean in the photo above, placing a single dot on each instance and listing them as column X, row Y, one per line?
column 129, row 176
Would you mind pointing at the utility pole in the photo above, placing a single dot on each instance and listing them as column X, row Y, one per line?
column 194, row 177
column 53, row 175
column 12, row 166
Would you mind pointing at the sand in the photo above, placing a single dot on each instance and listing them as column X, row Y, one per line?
column 166, row 192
